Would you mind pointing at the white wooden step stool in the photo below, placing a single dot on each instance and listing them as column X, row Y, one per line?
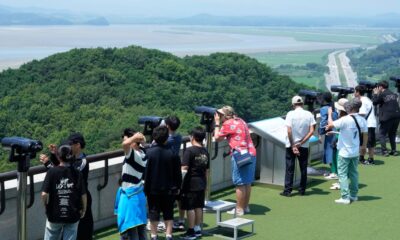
column 235, row 224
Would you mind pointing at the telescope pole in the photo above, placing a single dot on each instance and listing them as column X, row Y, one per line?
column 209, row 144
column 21, row 198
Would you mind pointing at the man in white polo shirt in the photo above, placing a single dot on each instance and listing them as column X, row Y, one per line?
column 300, row 127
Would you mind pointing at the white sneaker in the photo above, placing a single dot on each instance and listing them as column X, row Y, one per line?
column 237, row 211
column 354, row 199
column 335, row 186
column 331, row 176
column 342, row 201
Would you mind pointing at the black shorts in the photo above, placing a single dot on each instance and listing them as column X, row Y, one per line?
column 161, row 203
column 192, row 200
column 371, row 138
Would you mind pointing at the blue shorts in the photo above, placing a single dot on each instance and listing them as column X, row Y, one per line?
column 243, row 175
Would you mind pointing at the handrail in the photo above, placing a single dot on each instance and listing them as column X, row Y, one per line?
column 42, row 169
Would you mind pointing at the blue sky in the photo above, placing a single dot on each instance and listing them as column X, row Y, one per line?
column 181, row 8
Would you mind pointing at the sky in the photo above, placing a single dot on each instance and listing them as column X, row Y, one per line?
column 183, row 8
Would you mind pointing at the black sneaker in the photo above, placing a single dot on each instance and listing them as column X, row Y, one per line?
column 361, row 159
column 285, row 194
column 394, row 153
column 188, row 236
column 370, row 161
column 178, row 226
column 198, row 233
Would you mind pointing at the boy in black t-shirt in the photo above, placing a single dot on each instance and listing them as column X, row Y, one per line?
column 64, row 196
column 163, row 180
column 195, row 166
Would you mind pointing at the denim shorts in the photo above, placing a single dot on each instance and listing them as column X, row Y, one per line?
column 243, row 175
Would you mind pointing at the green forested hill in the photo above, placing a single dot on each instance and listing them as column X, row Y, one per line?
column 377, row 64
column 101, row 91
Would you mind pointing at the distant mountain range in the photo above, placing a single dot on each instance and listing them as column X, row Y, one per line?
column 34, row 16
column 38, row 16
column 385, row 20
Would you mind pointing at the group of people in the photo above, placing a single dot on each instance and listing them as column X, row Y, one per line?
column 153, row 178
column 348, row 128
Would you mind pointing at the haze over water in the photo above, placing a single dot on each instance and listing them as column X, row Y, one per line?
column 22, row 44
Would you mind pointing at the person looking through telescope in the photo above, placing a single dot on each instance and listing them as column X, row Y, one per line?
column 236, row 131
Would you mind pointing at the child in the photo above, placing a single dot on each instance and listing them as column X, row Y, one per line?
column 64, row 196
column 163, row 179
column 130, row 204
column 195, row 166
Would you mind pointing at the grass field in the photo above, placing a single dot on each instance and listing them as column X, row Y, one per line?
column 362, row 36
column 274, row 59
column 315, row 216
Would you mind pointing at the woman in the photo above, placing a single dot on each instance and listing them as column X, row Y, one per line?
column 235, row 130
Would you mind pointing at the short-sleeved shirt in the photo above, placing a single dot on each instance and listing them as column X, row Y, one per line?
column 198, row 161
column 133, row 168
column 238, row 135
column 368, row 108
column 349, row 140
column 65, row 187
column 300, row 121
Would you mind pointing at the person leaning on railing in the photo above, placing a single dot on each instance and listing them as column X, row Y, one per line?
column 235, row 130
column 77, row 142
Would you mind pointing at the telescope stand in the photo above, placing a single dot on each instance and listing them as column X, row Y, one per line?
column 23, row 167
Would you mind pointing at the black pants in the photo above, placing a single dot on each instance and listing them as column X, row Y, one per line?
column 85, row 227
column 290, row 163
column 389, row 128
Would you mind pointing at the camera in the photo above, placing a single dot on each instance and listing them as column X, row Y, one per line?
column 397, row 80
column 369, row 86
column 21, row 147
column 149, row 123
column 310, row 97
column 207, row 116
column 342, row 91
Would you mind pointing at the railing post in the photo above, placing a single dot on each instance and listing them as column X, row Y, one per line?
column 31, row 191
column 101, row 186
column 2, row 197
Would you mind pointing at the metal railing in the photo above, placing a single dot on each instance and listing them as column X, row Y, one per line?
column 7, row 176
column 42, row 169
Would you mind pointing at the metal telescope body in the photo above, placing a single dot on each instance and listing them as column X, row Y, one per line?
column 207, row 119
column 22, row 150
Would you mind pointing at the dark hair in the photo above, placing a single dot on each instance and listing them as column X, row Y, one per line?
column 65, row 153
column 129, row 132
column 198, row 134
column 325, row 99
column 77, row 138
column 361, row 89
column 173, row 122
column 160, row 134
column 383, row 84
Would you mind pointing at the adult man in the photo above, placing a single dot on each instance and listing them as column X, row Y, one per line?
column 351, row 128
column 300, row 127
column 389, row 116
column 368, row 112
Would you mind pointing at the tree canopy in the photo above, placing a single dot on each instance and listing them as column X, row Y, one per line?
column 99, row 92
